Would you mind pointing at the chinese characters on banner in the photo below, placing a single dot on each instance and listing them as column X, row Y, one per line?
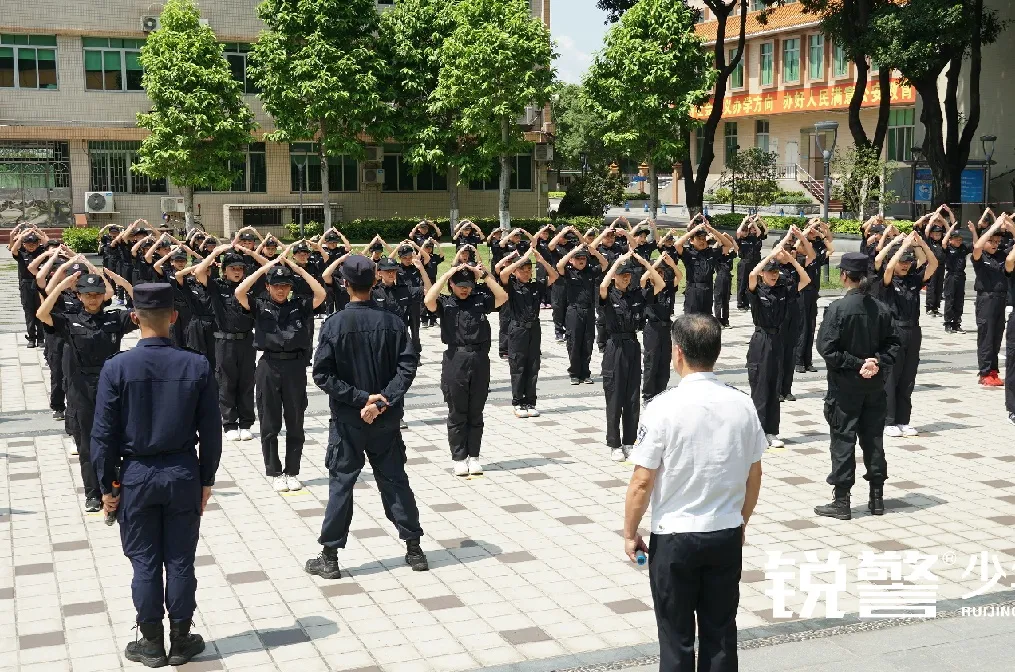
column 811, row 99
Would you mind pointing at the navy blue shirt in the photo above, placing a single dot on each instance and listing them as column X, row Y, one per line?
column 156, row 399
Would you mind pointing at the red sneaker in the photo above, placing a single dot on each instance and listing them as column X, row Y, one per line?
column 997, row 377
column 991, row 380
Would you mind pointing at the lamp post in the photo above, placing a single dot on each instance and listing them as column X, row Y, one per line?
column 301, row 167
column 917, row 154
column 733, row 167
column 820, row 129
column 585, row 163
column 988, row 151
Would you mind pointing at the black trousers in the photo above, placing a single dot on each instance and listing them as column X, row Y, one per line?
column 764, row 362
column 989, row 329
column 695, row 581
column 178, row 330
column 721, row 296
column 901, row 379
column 281, row 396
column 503, row 342
column 415, row 317
column 601, row 334
column 523, row 361
column 790, row 331
column 30, row 302
column 1009, row 366
column 54, row 358
column 955, row 297
column 621, row 383
column 81, row 390
column 200, row 338
column 465, row 382
column 558, row 304
column 349, row 446
column 934, row 287
column 804, row 351
column 698, row 299
column 658, row 358
column 854, row 412
column 580, row 328
column 744, row 268
column 234, row 373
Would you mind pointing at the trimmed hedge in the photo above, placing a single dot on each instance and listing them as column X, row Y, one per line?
column 775, row 222
column 85, row 241
column 397, row 228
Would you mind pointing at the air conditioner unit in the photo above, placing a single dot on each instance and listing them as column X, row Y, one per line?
column 150, row 23
column 531, row 114
column 373, row 176
column 543, row 153
column 375, row 153
column 99, row 201
column 173, row 204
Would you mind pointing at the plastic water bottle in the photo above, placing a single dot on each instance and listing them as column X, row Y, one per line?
column 641, row 558
column 646, row 207
column 664, row 208
column 627, row 206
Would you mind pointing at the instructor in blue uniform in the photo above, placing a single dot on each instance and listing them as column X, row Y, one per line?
column 155, row 404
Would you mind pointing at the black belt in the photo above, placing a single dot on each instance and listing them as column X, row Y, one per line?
column 90, row 370
column 774, row 331
column 528, row 325
column 700, row 285
column 483, row 347
column 999, row 293
column 622, row 337
column 907, row 323
column 283, row 355
column 231, row 335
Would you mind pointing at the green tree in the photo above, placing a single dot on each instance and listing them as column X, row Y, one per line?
column 928, row 39
column 579, row 129
column 756, row 179
column 496, row 61
column 319, row 72
column 650, row 73
column 860, row 179
column 591, row 194
column 615, row 8
column 198, row 123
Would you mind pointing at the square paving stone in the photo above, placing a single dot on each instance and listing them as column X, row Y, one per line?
column 612, row 483
column 752, row 576
column 628, row 606
column 519, row 508
column 417, row 460
column 1003, row 520
column 1007, row 498
column 204, row 664
column 367, row 533
column 808, row 451
column 83, row 608
column 20, row 458
column 913, row 447
column 587, row 430
column 18, row 443
column 999, row 484
column 583, row 441
column 212, row 506
column 43, row 639
column 888, row 545
column 556, row 455
column 340, row 589
column 906, row 485
column 968, row 456
column 896, row 503
column 6, row 593
column 524, row 636
column 275, row 638
column 801, row 524
column 425, row 449
column 246, row 577
column 538, row 476
column 38, row 568
column 204, row 560
column 65, row 546
column 795, row 480
column 1006, row 458
column 442, row 602
column 225, row 484
column 309, row 513
column 958, row 415
column 447, row 508
column 25, row 476
column 575, row 520
column 462, row 542
column 516, row 556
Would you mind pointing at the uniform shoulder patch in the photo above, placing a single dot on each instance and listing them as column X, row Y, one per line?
column 734, row 387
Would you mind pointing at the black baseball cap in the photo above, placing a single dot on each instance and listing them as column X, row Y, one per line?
column 31, row 238
column 281, row 275
column 773, row 265
column 78, row 267
column 233, row 259
column 300, row 247
column 211, row 240
column 376, row 247
column 581, row 253
column 91, row 283
column 387, row 264
column 331, row 236
column 629, row 266
column 142, row 231
column 153, row 296
column 53, row 243
column 406, row 250
column 877, row 228
column 178, row 254
column 463, row 278
column 358, row 271
column 247, row 235
column 854, row 262
column 908, row 256
column 271, row 241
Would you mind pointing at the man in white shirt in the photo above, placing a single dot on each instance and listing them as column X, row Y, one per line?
column 698, row 459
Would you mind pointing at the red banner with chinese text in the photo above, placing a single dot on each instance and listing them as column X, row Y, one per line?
column 810, row 99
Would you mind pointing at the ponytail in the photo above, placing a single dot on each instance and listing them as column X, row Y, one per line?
column 862, row 279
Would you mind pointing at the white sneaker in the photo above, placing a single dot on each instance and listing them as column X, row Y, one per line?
column 245, row 435
column 893, row 430
column 233, row 435
column 774, row 441
column 520, row 412
column 293, row 483
column 618, row 455
column 908, row 430
column 461, row 467
column 74, row 449
column 533, row 413
column 475, row 468
column 280, row 484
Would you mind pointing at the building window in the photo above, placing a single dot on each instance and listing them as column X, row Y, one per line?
column 343, row 171
column 398, row 176
column 901, row 125
column 34, row 165
column 791, row 60
column 730, row 136
column 521, row 176
column 840, row 64
column 699, row 144
column 112, row 64
column 253, row 176
column 761, row 135
column 111, row 163
column 767, row 63
column 263, row 218
column 737, row 76
column 236, row 54
column 816, row 57
column 757, row 5
column 874, row 67
column 26, row 62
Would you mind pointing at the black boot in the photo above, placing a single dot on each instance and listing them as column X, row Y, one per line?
column 183, row 645
column 414, row 556
column 325, row 565
column 877, row 500
column 839, row 507
column 150, row 650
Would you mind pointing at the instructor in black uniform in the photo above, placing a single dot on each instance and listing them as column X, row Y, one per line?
column 857, row 341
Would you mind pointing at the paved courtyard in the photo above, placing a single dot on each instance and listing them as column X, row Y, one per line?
column 526, row 562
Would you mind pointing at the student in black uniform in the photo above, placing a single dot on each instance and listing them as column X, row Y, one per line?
column 541, row 242
column 821, row 242
column 25, row 249
column 521, row 313
column 858, row 342
column 723, row 280
column 624, row 305
column 411, row 271
column 794, row 310
column 933, row 233
column 906, row 273
column 611, row 249
column 393, row 293
column 181, row 302
column 563, row 242
column 92, row 335
column 580, row 280
column 749, row 235
column 468, row 234
column 1009, row 362
column 769, row 297
column 54, row 343
column 465, row 368
column 283, row 332
column 657, row 341
column 991, row 298
column 423, row 231
column 700, row 262
column 434, row 260
column 956, row 253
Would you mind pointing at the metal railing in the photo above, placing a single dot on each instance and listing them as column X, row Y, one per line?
column 786, row 171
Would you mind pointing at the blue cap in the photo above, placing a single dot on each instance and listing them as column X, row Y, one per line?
column 358, row 270
column 153, row 296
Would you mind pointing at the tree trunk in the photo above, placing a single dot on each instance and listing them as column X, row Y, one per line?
column 325, row 188
column 653, row 196
column 933, row 139
column 188, row 207
column 504, row 205
column 453, row 174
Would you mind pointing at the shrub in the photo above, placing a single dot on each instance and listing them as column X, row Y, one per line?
column 360, row 231
column 556, row 194
column 310, row 229
column 777, row 223
column 85, row 241
column 592, row 194
column 636, row 196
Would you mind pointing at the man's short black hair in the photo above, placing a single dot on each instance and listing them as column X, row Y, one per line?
column 359, row 289
column 154, row 316
column 699, row 336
